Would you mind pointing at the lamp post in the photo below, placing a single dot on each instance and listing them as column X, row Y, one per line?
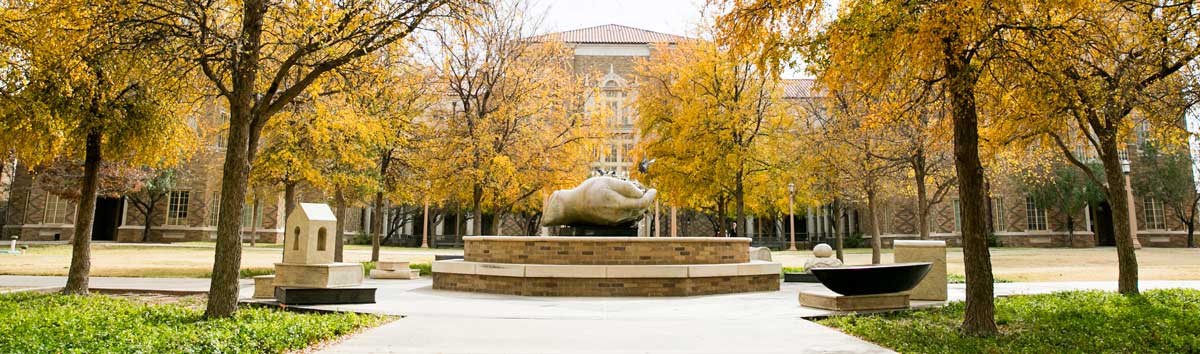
column 1130, row 206
column 425, row 216
column 792, row 216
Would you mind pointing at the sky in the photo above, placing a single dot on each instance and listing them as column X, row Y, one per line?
column 667, row 16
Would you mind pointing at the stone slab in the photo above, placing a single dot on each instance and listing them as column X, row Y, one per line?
column 759, row 267
column 712, row 270
column 264, row 286
column 391, row 265
column 934, row 285
column 332, row 275
column 309, row 296
column 395, row 274
column 499, row 269
column 829, row 300
column 456, row 266
column 564, row 271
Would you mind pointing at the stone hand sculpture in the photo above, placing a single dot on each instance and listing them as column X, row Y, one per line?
column 600, row 201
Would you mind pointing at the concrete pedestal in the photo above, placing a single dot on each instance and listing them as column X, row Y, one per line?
column 264, row 286
column 933, row 286
column 331, row 275
column 395, row 274
column 829, row 300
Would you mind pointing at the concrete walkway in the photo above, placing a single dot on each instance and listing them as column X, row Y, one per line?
column 456, row 322
column 769, row 322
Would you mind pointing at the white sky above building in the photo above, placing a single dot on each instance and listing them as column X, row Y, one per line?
column 667, row 16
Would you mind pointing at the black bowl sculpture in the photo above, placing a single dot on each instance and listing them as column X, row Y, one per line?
column 872, row 279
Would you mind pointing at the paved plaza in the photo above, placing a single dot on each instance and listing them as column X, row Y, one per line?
column 438, row 321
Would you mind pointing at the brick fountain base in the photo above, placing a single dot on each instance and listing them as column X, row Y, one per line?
column 605, row 266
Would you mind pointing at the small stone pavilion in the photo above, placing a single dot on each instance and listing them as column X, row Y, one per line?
column 308, row 263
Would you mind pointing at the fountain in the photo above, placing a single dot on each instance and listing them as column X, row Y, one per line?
column 594, row 264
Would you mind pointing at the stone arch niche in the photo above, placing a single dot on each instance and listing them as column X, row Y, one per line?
column 322, row 236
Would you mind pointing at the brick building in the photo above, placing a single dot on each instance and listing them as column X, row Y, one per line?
column 609, row 54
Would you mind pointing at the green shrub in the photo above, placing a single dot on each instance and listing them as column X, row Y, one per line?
column 367, row 267
column 962, row 279
column 853, row 240
column 51, row 323
column 426, row 268
column 1159, row 321
column 793, row 269
column 360, row 238
column 993, row 241
column 254, row 272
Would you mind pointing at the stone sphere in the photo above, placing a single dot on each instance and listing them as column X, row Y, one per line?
column 822, row 250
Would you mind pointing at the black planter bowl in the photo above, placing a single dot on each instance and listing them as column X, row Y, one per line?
column 872, row 279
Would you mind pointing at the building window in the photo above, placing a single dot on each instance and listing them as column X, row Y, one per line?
column 1035, row 216
column 1153, row 209
column 57, row 210
column 957, row 215
column 214, row 208
column 177, row 208
column 252, row 217
column 998, row 214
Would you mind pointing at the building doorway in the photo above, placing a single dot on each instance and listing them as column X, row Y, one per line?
column 108, row 218
column 1102, row 224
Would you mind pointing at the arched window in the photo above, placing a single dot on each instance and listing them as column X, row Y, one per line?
column 296, row 240
column 321, row 239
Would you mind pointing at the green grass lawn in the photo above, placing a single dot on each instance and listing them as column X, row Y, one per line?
column 1159, row 321
column 51, row 323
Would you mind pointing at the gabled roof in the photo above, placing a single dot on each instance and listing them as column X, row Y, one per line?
column 317, row 212
column 611, row 34
column 801, row 88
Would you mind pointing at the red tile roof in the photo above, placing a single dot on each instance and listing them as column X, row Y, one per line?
column 612, row 34
column 801, row 88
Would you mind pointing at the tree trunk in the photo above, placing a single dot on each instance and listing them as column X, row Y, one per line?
column 289, row 200
column 876, row 241
column 239, row 154
column 722, row 221
column 81, row 249
column 254, row 220
column 979, row 314
column 1070, row 232
column 1191, row 236
column 477, row 209
column 1191, row 222
column 1127, row 279
column 148, row 212
column 377, row 226
column 377, row 222
column 340, row 233
column 922, row 202
column 838, row 235
column 739, row 198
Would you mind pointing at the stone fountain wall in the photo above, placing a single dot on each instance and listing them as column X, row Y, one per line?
column 606, row 266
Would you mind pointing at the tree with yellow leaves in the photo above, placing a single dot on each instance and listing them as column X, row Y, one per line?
column 513, row 122
column 853, row 144
column 948, row 43
column 714, row 122
column 1085, row 81
column 82, row 86
column 260, row 56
